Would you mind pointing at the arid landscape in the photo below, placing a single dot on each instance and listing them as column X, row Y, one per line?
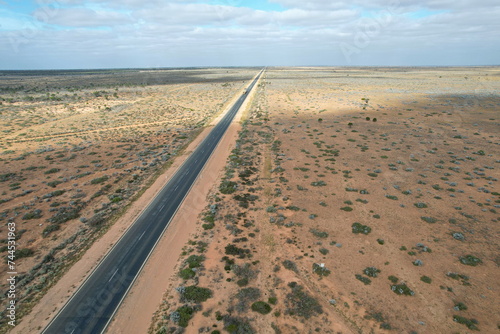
column 360, row 200
column 355, row 200
column 77, row 147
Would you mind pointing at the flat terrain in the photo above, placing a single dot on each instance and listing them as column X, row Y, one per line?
column 78, row 147
column 361, row 200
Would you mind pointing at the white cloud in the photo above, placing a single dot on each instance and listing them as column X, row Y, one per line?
column 186, row 33
column 83, row 17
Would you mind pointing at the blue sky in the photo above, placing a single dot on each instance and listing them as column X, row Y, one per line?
column 168, row 33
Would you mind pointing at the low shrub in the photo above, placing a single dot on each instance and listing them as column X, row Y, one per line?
column 183, row 315
column 402, row 289
column 99, row 180
column 52, row 171
column 470, row 260
column 319, row 234
column 227, row 187
column 24, row 252
column 363, row 279
column 290, row 265
column 360, row 228
column 187, row 273
column 196, row 294
column 35, row 214
column 393, row 279
column 470, row 323
column 371, row 271
column 261, row 307
column 320, row 270
column 49, row 229
column 300, row 303
column 429, row 220
column 426, row 279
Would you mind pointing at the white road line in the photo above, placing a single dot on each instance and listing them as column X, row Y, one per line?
column 176, row 188
column 161, row 207
column 113, row 275
column 142, row 235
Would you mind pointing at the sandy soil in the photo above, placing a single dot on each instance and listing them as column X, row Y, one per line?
column 186, row 106
column 138, row 308
column 418, row 166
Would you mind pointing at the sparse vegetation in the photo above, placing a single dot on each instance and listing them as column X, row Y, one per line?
column 470, row 260
column 300, row 303
column 358, row 228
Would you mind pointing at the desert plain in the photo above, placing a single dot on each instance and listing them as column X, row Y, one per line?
column 354, row 200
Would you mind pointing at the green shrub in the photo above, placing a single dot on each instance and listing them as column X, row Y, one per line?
column 320, row 270
column 49, row 229
column 53, row 184
column 234, row 250
column 272, row 300
column 237, row 325
column 242, row 282
column 470, row 260
column 470, row 323
column 187, row 273
column 270, row 209
column 319, row 234
column 300, row 303
column 52, row 171
column 318, row 184
column 261, row 307
column 196, row 294
column 346, row 208
column 290, row 265
column 371, row 271
column 6, row 176
column 324, row 251
column 208, row 226
column 227, row 187
column 24, row 252
column 35, row 214
column 54, row 194
column 420, row 205
column 460, row 307
column 185, row 313
column 402, row 289
column 64, row 214
column 426, row 279
column 360, row 228
column 195, row 261
column 363, row 279
column 429, row 220
column 99, row 180
column 393, row 279
column 245, row 296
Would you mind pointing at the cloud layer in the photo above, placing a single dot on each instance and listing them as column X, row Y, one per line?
column 133, row 33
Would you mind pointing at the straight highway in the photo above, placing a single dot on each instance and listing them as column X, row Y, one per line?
column 93, row 305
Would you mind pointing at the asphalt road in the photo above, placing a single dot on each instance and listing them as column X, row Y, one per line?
column 93, row 305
